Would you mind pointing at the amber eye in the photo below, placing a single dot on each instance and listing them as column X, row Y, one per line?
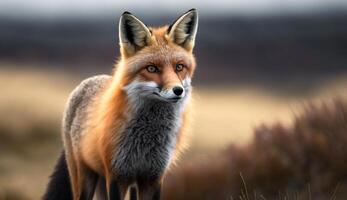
column 152, row 69
column 179, row 67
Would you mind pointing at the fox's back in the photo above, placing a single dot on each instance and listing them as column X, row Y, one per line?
column 75, row 115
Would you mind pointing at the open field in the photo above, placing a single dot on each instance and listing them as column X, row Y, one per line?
column 31, row 105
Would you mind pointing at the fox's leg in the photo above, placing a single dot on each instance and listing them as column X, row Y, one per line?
column 72, row 165
column 101, row 192
column 133, row 193
column 73, row 172
column 149, row 190
column 123, row 188
column 79, row 179
column 108, row 182
column 89, row 184
column 75, row 178
column 118, row 190
column 114, row 192
column 83, row 180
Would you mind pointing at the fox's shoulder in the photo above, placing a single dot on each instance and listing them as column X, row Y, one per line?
column 81, row 97
column 89, row 87
column 92, row 85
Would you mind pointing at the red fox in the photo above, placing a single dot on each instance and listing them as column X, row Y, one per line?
column 127, row 129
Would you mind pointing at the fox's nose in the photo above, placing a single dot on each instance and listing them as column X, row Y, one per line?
column 177, row 90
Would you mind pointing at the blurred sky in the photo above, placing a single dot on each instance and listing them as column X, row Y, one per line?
column 78, row 8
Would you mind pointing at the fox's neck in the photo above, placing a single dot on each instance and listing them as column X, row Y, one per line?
column 153, row 127
column 152, row 111
column 154, row 115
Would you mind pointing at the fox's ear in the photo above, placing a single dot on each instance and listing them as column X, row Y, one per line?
column 183, row 30
column 133, row 34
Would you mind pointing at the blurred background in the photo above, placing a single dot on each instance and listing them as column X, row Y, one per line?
column 270, row 92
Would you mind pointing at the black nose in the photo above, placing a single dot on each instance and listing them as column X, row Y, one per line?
column 177, row 90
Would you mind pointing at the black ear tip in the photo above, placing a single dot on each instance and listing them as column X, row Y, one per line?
column 126, row 13
column 192, row 10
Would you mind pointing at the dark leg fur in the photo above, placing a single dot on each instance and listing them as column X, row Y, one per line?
column 91, row 179
column 157, row 194
column 101, row 192
column 59, row 187
column 114, row 191
column 133, row 194
column 149, row 190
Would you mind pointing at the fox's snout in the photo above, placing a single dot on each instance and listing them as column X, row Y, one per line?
column 173, row 93
column 151, row 89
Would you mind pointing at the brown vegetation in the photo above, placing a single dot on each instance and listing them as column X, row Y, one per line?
column 305, row 160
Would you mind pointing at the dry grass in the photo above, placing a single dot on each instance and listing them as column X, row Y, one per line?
column 225, row 115
column 31, row 105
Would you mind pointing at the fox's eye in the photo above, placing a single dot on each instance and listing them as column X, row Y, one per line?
column 179, row 67
column 152, row 69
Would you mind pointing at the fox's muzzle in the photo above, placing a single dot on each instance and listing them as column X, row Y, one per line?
column 174, row 93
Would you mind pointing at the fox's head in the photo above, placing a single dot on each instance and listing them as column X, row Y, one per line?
column 157, row 62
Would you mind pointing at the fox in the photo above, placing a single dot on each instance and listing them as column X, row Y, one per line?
column 123, row 132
